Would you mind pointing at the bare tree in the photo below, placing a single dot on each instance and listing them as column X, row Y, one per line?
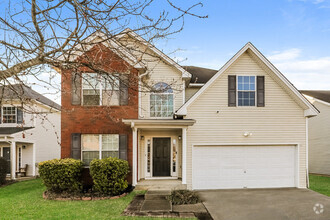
column 36, row 33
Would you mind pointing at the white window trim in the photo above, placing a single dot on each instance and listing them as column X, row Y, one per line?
column 255, row 92
column 1, row 115
column 100, row 90
column 153, row 93
column 100, row 145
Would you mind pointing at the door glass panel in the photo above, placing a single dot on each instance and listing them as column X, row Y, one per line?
column 174, row 156
column 148, row 156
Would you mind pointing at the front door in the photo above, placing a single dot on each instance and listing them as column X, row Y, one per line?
column 6, row 155
column 161, row 157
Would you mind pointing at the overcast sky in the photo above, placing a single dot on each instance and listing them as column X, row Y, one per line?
column 293, row 34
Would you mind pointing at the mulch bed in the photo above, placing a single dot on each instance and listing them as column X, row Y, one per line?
column 134, row 209
column 8, row 182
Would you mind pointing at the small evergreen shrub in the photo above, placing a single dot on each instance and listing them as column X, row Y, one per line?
column 181, row 197
column 109, row 175
column 61, row 175
column 3, row 170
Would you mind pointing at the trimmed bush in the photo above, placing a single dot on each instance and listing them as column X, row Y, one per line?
column 109, row 175
column 3, row 170
column 61, row 175
column 181, row 197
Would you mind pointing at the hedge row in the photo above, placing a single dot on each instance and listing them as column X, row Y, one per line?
column 64, row 175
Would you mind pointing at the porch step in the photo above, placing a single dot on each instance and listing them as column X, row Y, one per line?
column 157, row 194
column 160, row 185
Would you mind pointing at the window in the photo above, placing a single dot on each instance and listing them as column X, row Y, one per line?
column 100, row 89
column 96, row 146
column 11, row 114
column 161, row 101
column 246, row 90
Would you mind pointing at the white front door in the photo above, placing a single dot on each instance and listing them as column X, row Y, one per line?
column 219, row 167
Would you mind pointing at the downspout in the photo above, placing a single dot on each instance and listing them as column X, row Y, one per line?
column 140, row 95
column 307, row 170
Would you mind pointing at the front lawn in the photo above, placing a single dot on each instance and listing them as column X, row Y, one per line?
column 24, row 200
column 320, row 184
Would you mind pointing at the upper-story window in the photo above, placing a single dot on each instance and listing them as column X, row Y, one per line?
column 100, row 89
column 246, row 90
column 11, row 115
column 161, row 101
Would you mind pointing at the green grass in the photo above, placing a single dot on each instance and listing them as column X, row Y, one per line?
column 320, row 184
column 23, row 200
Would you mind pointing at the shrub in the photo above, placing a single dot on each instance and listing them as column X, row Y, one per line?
column 61, row 175
column 3, row 170
column 109, row 175
column 181, row 197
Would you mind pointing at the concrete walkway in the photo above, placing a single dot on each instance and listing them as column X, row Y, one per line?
column 270, row 204
column 155, row 201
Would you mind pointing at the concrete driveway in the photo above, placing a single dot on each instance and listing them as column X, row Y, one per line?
column 254, row 204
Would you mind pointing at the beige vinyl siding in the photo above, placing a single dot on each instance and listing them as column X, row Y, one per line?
column 162, row 72
column 281, row 121
column 158, row 71
column 319, row 140
column 190, row 91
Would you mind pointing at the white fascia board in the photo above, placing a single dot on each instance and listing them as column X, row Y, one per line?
column 312, row 110
column 185, row 73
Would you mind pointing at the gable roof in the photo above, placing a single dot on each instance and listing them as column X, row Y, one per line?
column 20, row 91
column 163, row 56
column 323, row 95
column 100, row 37
column 200, row 74
column 310, row 111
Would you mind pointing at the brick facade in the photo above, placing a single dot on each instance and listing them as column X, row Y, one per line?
column 98, row 119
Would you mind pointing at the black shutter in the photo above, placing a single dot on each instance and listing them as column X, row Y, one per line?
column 0, row 115
column 19, row 116
column 123, row 146
column 231, row 90
column 76, row 146
column 123, row 89
column 260, row 91
column 76, row 89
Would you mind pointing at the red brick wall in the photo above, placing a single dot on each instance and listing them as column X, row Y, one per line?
column 98, row 119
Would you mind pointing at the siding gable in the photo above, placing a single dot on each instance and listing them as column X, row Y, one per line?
column 282, row 120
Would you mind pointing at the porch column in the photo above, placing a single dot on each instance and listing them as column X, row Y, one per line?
column 13, row 160
column 184, row 155
column 134, row 181
column 34, row 160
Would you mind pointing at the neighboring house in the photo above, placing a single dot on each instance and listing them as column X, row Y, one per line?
column 319, row 132
column 243, row 126
column 29, row 129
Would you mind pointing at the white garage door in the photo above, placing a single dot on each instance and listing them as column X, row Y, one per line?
column 219, row 167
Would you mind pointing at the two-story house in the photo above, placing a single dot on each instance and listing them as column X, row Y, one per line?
column 29, row 129
column 241, row 126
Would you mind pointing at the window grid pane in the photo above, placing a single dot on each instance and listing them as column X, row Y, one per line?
column 88, row 156
column 246, row 90
column 9, row 115
column 161, row 105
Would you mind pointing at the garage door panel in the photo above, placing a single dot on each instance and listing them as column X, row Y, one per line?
column 221, row 167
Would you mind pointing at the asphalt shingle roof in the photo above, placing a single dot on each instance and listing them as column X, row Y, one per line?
column 323, row 95
column 23, row 92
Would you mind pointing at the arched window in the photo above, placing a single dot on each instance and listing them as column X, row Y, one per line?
column 161, row 101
